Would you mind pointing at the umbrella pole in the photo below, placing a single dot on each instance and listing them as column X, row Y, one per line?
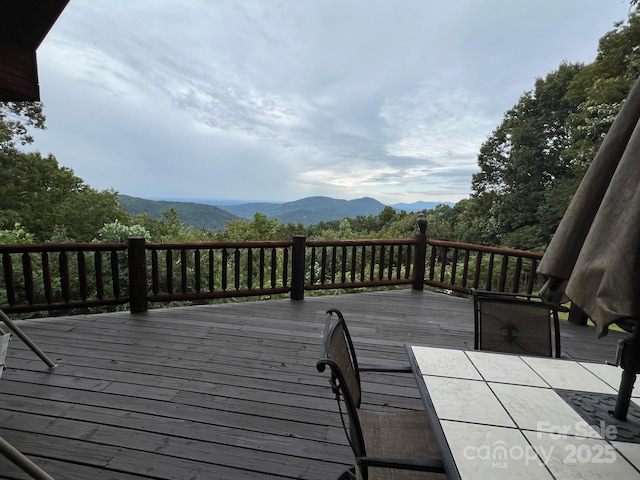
column 629, row 355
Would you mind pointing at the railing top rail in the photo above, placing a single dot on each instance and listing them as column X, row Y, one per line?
column 62, row 247
column 485, row 249
column 390, row 241
column 201, row 245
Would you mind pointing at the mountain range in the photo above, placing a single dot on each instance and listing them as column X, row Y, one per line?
column 308, row 211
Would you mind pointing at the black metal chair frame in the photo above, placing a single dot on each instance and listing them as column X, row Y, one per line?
column 525, row 300
column 6, row 449
column 342, row 389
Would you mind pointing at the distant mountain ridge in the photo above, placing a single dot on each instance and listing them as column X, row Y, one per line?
column 308, row 211
column 195, row 215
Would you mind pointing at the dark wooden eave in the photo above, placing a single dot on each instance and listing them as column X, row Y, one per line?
column 23, row 26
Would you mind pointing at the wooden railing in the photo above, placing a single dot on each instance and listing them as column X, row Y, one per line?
column 49, row 277
column 62, row 276
column 461, row 266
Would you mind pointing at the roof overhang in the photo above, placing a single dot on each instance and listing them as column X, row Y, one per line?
column 23, row 26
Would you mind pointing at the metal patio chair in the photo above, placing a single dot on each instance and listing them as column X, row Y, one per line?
column 6, row 449
column 386, row 445
column 515, row 323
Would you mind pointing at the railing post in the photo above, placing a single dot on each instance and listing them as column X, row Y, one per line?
column 137, row 256
column 298, row 261
column 420, row 258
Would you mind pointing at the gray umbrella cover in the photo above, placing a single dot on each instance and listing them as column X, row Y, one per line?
column 594, row 256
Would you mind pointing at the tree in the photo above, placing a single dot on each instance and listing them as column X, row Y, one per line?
column 49, row 201
column 15, row 120
column 524, row 157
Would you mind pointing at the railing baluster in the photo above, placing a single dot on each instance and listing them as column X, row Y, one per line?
column 197, row 269
column 97, row 265
column 274, row 268
column 476, row 279
column 323, row 268
column 183, row 270
column 454, row 266
column 532, row 275
column 236, row 268
column 334, row 262
column 285, row 268
column 249, row 271
column 490, row 272
column 211, row 270
column 354, row 262
column 115, row 274
column 312, row 275
column 372, row 268
column 63, row 263
column 517, row 274
column 381, row 263
column 46, row 278
column 82, row 275
column 465, row 268
column 407, row 267
column 503, row 273
column 155, row 272
column 261, row 269
column 9, row 282
column 443, row 263
column 225, row 266
column 27, row 271
column 432, row 263
column 169, row 267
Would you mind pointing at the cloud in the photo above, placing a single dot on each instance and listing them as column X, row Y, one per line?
column 284, row 99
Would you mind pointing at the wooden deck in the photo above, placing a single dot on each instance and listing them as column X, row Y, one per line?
column 225, row 391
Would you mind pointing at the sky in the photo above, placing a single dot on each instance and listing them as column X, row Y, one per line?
column 284, row 99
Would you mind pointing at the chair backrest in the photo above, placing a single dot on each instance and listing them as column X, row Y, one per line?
column 517, row 324
column 339, row 355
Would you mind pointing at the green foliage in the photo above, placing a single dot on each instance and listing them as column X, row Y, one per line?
column 49, row 201
column 16, row 235
column 15, row 120
column 261, row 228
column 523, row 158
column 117, row 232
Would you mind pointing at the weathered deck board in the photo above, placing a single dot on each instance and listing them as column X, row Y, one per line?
column 223, row 391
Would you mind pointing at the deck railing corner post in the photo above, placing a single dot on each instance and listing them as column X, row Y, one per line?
column 298, row 261
column 137, row 256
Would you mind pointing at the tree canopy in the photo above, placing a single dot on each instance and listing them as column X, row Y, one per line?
column 532, row 163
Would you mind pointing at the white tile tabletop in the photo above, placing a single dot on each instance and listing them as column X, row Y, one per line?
column 467, row 400
column 445, row 362
column 610, row 374
column 568, row 375
column 499, row 416
column 631, row 451
column 578, row 458
column 489, row 452
column 541, row 409
column 509, row 369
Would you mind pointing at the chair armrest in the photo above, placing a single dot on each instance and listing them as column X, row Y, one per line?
column 416, row 464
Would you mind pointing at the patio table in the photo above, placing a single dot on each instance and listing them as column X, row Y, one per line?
column 504, row 416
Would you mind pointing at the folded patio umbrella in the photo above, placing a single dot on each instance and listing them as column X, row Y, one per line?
column 594, row 256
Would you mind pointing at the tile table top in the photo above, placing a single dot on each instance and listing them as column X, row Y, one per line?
column 499, row 416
